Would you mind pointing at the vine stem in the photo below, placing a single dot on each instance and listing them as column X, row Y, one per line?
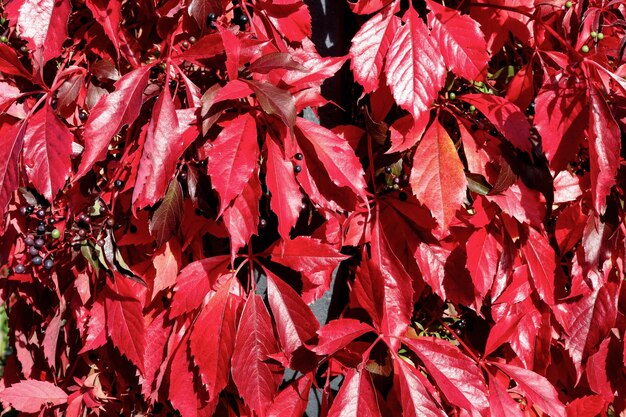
column 533, row 18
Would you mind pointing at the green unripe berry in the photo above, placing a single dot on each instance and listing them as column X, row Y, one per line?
column 4, row 39
column 568, row 4
column 594, row 34
column 451, row 95
column 472, row 108
column 584, row 49
column 600, row 36
column 55, row 234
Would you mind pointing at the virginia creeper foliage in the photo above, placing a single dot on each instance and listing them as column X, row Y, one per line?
column 168, row 215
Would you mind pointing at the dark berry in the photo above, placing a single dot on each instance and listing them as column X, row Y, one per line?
column 299, row 156
column 403, row 196
column 262, row 224
column 182, row 175
column 100, row 242
column 48, row 263
column 192, row 39
column 19, row 269
column 37, row 260
column 155, row 71
column 33, row 251
column 297, row 169
column 118, row 184
column 24, row 49
column 387, row 170
column 30, row 209
column 203, row 163
column 133, row 228
column 51, row 221
column 211, row 17
column 82, row 232
column 29, row 241
column 41, row 229
column 185, row 44
column 172, row 84
column 243, row 19
column 396, row 180
column 82, row 115
column 84, row 218
column 23, row 211
column 40, row 214
column 110, row 222
column 54, row 103
column 39, row 243
column 474, row 127
column 493, row 132
column 103, row 209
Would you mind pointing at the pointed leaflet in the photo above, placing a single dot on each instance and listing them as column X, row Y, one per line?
column 213, row 338
column 160, row 154
column 10, row 63
column 233, row 157
column 182, row 390
column 108, row 14
column 337, row 334
column 460, row 41
column 195, row 281
column 415, row 69
column 482, row 259
column 47, row 151
column 292, row 400
column 307, row 255
column 167, row 216
column 416, row 400
column 295, row 321
column 254, row 377
column 604, row 149
column 370, row 45
column 540, row 258
column 276, row 101
column 338, row 157
column 356, row 397
column 43, row 23
column 30, row 396
column 456, row 375
column 505, row 116
column 124, row 319
column 242, row 217
column 110, row 114
column 500, row 401
column 200, row 9
column 11, row 141
column 166, row 261
column 437, row 177
column 158, row 334
column 286, row 198
column 537, row 388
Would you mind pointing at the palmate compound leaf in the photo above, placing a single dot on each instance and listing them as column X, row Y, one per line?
column 256, row 379
column 110, row 114
column 47, row 150
column 458, row 377
column 357, row 396
column 30, row 396
column 415, row 69
column 233, row 158
column 370, row 46
column 437, row 177
column 460, row 41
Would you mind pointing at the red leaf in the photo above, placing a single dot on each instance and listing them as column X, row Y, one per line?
column 416, row 398
column 108, row 15
column 482, row 260
column 367, row 6
column 110, row 114
column 604, row 149
column 166, row 262
column 124, row 318
column 43, row 23
column 30, row 396
column 295, row 321
column 505, row 116
column 356, row 397
column 167, row 216
column 276, row 60
column 370, row 45
column 10, row 64
column 540, row 258
column 286, row 198
column 537, row 388
column 415, row 69
column 206, row 47
column 500, row 402
column 437, row 177
column 337, row 334
column 292, row 400
column 255, row 379
column 233, row 158
column 589, row 406
column 200, row 9
column 11, row 141
column 47, row 150
column 158, row 334
column 307, row 255
column 164, row 145
column 242, row 217
column 276, row 101
column 458, row 377
column 460, row 41
column 213, row 339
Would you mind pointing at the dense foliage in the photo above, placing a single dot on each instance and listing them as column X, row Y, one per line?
column 168, row 215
